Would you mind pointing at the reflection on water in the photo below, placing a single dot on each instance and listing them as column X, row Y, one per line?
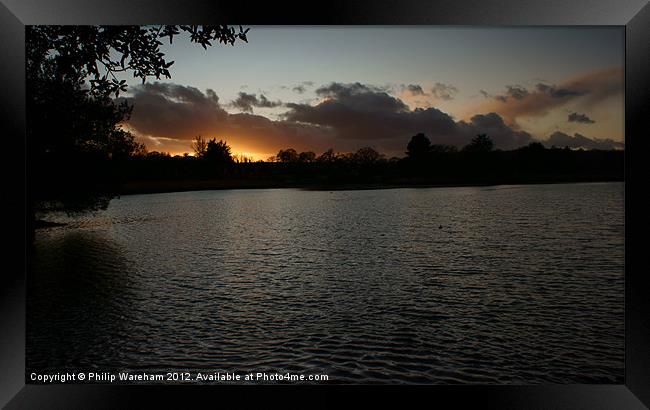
column 510, row 284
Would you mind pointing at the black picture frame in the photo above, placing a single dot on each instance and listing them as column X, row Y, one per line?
column 634, row 15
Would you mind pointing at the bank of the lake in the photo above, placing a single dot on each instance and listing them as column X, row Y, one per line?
column 135, row 187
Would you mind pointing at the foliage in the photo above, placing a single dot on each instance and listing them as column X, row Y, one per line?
column 443, row 166
column 327, row 156
column 367, row 155
column 64, row 119
column 442, row 149
column 533, row 147
column 480, row 143
column 218, row 152
column 199, row 146
column 308, row 156
column 99, row 52
column 287, row 155
column 418, row 147
column 74, row 126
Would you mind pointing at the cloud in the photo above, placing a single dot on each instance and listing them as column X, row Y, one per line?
column 504, row 136
column 439, row 91
column 584, row 91
column 517, row 92
column 582, row 118
column 264, row 102
column 360, row 112
column 344, row 117
column 414, row 89
column 556, row 92
column 560, row 139
column 245, row 102
column 444, row 91
column 361, row 97
column 302, row 87
column 168, row 116
column 164, row 108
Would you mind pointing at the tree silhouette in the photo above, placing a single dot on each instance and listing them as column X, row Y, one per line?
column 307, row 156
column 442, row 149
column 367, row 155
column 480, row 143
column 218, row 152
column 419, row 146
column 535, row 147
column 63, row 118
column 99, row 52
column 71, row 135
column 199, row 146
column 287, row 155
column 158, row 155
column 443, row 166
column 120, row 145
column 73, row 124
column 327, row 156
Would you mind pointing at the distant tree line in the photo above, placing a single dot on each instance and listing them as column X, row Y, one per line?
column 423, row 164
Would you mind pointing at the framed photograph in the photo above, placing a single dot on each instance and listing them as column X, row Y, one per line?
column 406, row 200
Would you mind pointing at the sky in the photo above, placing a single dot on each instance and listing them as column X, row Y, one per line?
column 315, row 88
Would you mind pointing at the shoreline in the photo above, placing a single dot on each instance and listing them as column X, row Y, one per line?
column 170, row 186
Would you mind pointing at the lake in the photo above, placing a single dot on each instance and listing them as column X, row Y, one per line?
column 501, row 284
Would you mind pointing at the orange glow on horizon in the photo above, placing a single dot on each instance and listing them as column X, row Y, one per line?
column 235, row 155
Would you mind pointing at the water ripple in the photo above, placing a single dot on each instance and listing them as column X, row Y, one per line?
column 517, row 284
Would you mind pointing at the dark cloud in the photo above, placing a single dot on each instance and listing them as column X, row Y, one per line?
column 560, row 139
column 582, row 118
column 361, row 97
column 164, row 108
column 185, row 94
column 585, row 91
column 414, row 89
column 246, row 102
column 302, row 87
column 484, row 93
column 346, row 117
column 168, row 116
column 444, row 91
column 359, row 112
column 341, row 90
column 264, row 102
column 555, row 92
column 517, row 92
column 504, row 136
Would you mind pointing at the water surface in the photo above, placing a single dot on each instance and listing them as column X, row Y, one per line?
column 505, row 284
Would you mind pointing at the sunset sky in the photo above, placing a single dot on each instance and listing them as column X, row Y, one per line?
column 314, row 88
